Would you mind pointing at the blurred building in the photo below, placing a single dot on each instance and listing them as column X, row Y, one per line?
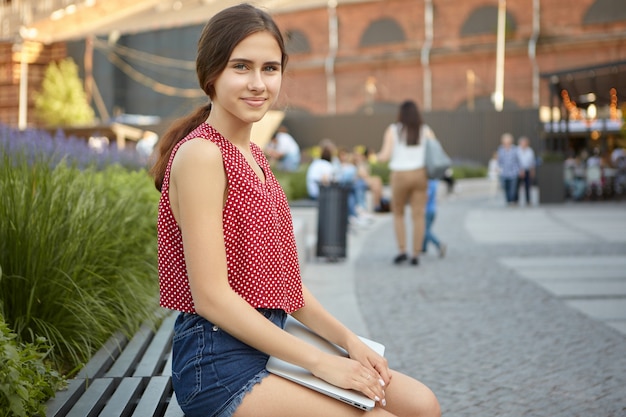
column 558, row 58
column 443, row 52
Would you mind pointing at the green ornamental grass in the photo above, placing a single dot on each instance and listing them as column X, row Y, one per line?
column 78, row 253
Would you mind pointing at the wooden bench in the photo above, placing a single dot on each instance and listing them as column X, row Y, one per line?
column 124, row 378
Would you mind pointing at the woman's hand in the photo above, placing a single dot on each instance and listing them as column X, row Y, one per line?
column 350, row 373
column 362, row 353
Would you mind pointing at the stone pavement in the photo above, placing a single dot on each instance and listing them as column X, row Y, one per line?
column 525, row 316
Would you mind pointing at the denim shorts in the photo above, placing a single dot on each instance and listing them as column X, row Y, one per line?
column 211, row 370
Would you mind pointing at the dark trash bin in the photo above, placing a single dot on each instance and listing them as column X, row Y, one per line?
column 551, row 181
column 332, row 221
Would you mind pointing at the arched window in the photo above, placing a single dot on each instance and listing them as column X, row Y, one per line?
column 297, row 42
column 484, row 21
column 381, row 32
column 605, row 11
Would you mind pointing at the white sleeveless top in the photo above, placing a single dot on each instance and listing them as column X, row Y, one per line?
column 405, row 157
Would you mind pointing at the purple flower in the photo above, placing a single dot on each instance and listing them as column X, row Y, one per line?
column 40, row 145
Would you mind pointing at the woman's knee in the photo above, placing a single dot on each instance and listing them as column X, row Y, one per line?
column 425, row 405
column 431, row 406
column 408, row 397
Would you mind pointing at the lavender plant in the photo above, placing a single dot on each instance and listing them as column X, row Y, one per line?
column 39, row 144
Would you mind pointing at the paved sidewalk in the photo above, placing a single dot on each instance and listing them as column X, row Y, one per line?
column 526, row 315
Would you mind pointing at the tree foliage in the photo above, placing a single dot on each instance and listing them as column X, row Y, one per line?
column 62, row 100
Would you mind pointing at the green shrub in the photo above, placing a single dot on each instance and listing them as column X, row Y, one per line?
column 469, row 171
column 293, row 183
column 460, row 171
column 380, row 170
column 26, row 380
column 78, row 251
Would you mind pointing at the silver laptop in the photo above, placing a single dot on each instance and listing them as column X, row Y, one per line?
column 303, row 377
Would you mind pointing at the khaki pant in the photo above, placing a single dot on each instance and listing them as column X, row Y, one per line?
column 409, row 187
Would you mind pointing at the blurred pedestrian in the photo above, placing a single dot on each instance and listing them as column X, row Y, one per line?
column 283, row 151
column 448, row 178
column 348, row 176
column 508, row 161
column 575, row 176
column 320, row 172
column 403, row 146
column 145, row 145
column 493, row 173
column 527, row 161
column 617, row 155
column 368, row 182
column 431, row 214
column 594, row 174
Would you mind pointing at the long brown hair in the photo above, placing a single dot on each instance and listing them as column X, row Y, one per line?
column 411, row 120
column 220, row 36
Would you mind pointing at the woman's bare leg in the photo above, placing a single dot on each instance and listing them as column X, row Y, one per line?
column 407, row 397
column 418, row 212
column 399, row 196
column 278, row 397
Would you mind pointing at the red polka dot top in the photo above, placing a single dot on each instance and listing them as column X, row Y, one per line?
column 261, row 253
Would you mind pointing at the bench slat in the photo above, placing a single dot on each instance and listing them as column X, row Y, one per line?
column 167, row 369
column 63, row 400
column 124, row 398
column 94, row 399
column 154, row 398
column 124, row 364
column 104, row 357
column 160, row 345
column 173, row 409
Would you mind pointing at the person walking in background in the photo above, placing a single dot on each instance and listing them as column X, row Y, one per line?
column 403, row 147
column 508, row 161
column 227, row 256
column 283, row 151
column 527, row 161
column 431, row 213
